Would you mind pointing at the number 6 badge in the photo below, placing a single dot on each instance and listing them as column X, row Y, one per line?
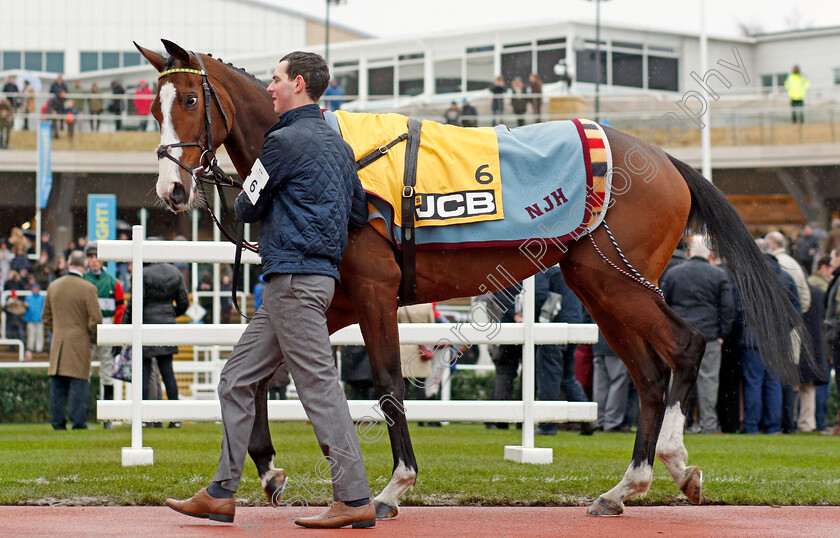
column 256, row 181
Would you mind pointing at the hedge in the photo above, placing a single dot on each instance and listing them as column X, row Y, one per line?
column 25, row 396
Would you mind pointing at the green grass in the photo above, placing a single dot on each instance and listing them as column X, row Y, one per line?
column 460, row 464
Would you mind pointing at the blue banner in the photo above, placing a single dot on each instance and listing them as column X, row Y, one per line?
column 102, row 220
column 44, row 163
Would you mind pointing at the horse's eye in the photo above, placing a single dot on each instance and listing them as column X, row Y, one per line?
column 191, row 101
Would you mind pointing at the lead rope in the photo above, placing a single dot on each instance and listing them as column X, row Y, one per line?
column 633, row 274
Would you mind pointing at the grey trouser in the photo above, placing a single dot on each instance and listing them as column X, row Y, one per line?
column 291, row 324
column 610, row 385
column 708, row 380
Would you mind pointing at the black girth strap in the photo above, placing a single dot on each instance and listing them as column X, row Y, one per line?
column 408, row 283
column 405, row 257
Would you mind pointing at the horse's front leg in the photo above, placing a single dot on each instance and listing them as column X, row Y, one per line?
column 388, row 383
column 261, row 449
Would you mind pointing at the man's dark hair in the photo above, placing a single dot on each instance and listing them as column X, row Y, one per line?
column 824, row 260
column 312, row 68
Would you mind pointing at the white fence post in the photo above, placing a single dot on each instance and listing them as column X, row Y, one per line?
column 137, row 454
column 527, row 453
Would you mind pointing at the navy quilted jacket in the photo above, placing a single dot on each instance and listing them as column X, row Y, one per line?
column 312, row 195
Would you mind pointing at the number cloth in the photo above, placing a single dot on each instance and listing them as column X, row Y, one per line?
column 555, row 176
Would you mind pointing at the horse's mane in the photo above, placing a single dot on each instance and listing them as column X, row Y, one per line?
column 251, row 78
column 170, row 63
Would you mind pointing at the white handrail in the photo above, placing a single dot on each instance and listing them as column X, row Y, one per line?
column 139, row 250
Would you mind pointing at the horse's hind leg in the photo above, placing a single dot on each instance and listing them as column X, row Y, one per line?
column 651, row 340
column 261, row 449
column 650, row 375
column 671, row 448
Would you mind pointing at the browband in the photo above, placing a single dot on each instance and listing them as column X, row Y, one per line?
column 181, row 70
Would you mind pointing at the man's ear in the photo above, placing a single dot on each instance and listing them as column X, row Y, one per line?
column 300, row 84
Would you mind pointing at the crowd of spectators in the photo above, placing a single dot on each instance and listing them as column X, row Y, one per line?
column 64, row 106
column 734, row 393
column 24, row 282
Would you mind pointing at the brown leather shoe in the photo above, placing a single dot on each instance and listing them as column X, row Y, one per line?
column 204, row 506
column 340, row 515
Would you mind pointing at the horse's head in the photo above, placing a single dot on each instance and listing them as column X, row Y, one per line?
column 194, row 120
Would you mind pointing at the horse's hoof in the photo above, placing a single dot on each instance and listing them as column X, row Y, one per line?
column 385, row 511
column 274, row 487
column 692, row 486
column 605, row 507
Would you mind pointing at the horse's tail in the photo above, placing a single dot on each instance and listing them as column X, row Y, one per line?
column 770, row 313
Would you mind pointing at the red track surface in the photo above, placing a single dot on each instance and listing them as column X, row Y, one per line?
column 670, row 521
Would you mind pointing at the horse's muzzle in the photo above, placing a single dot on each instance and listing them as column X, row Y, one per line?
column 178, row 196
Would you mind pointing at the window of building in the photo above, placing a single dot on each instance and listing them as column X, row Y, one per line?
column 411, row 74
column 482, row 48
column 381, row 81
column 88, row 61
column 516, row 64
column 33, row 61
column 110, row 60
column 627, row 45
column 130, row 59
column 55, row 62
column 663, row 73
column 349, row 81
column 837, row 75
column 480, row 71
column 546, row 60
column 347, row 74
column 588, row 67
column 447, row 76
column 11, row 60
column 627, row 70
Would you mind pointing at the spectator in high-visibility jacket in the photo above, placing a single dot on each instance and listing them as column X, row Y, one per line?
column 796, row 86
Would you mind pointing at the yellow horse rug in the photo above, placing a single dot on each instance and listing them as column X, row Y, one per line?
column 480, row 187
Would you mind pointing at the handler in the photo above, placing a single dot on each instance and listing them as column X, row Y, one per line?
column 311, row 195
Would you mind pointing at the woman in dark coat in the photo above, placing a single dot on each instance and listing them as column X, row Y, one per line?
column 164, row 299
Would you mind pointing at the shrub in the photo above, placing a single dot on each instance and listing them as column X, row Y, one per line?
column 25, row 396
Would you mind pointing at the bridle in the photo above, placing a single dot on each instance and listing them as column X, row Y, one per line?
column 208, row 171
column 211, row 173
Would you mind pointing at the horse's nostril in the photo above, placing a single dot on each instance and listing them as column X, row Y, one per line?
column 179, row 195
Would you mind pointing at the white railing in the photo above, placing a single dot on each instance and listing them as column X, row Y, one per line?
column 14, row 342
column 140, row 251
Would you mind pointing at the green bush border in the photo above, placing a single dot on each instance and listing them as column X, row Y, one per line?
column 25, row 395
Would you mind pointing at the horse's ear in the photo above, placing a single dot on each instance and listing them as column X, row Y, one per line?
column 154, row 58
column 176, row 52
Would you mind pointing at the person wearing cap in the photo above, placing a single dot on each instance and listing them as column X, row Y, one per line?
column 112, row 303
column 142, row 103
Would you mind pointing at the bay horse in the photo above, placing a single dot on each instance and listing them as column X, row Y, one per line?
column 660, row 198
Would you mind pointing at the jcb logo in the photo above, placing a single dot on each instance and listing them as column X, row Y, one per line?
column 454, row 205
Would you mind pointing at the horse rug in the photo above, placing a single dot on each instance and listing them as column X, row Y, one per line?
column 480, row 187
